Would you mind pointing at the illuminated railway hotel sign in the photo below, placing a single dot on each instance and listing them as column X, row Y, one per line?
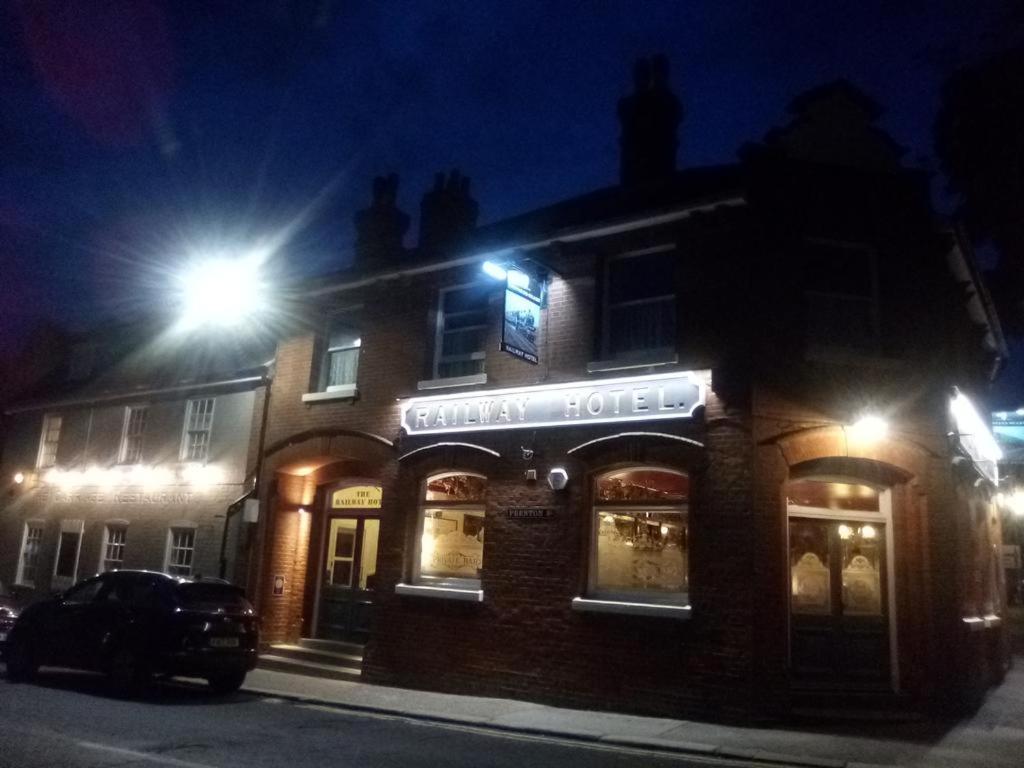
column 601, row 401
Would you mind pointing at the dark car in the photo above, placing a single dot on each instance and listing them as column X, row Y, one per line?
column 136, row 624
column 9, row 609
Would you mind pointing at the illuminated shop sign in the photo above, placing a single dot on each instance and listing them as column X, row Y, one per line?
column 602, row 401
column 357, row 497
column 975, row 437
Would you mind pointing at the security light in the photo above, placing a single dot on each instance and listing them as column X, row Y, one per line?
column 496, row 271
column 557, row 478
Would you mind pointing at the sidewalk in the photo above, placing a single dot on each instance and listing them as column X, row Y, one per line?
column 992, row 738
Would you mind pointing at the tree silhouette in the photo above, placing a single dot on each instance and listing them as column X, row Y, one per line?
column 979, row 140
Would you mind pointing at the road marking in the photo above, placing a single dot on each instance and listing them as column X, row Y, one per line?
column 163, row 760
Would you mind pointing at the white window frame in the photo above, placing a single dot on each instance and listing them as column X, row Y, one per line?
column 76, row 527
column 170, row 548
column 130, row 431
column 639, row 604
column 325, row 385
column 439, row 333
column 111, row 527
column 45, row 458
column 186, row 432
column 452, row 588
column 30, row 525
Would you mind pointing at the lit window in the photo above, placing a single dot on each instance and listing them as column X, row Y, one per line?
column 132, row 434
column 114, row 540
column 198, row 425
column 641, row 536
column 452, row 530
column 341, row 362
column 461, row 331
column 49, row 441
column 28, row 564
column 840, row 295
column 640, row 303
column 181, row 544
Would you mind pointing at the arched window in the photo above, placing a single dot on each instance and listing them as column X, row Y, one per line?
column 641, row 536
column 451, row 530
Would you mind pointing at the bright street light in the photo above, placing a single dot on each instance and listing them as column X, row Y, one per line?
column 221, row 292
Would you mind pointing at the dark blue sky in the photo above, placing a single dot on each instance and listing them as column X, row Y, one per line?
column 132, row 131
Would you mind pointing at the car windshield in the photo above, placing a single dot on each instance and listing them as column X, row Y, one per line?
column 207, row 596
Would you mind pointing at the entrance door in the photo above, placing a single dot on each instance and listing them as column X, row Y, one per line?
column 346, row 592
column 839, row 611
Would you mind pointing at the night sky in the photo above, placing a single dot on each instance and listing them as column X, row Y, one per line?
column 134, row 133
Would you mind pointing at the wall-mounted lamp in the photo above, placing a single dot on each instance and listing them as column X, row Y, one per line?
column 19, row 478
column 558, row 478
column 515, row 277
column 870, row 427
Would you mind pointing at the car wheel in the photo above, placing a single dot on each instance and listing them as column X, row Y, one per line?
column 21, row 662
column 127, row 673
column 226, row 682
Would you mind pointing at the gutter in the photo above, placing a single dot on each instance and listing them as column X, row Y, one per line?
column 43, row 404
column 570, row 237
column 980, row 306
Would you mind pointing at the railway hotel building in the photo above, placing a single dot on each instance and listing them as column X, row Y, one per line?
column 706, row 441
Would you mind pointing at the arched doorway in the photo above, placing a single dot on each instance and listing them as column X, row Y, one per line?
column 842, row 596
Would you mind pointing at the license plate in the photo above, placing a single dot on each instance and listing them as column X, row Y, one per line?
column 223, row 642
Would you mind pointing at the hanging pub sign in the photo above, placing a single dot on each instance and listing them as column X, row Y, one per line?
column 600, row 401
column 521, row 325
column 356, row 497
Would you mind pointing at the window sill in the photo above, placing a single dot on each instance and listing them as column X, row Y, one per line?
column 588, row 605
column 453, row 381
column 346, row 392
column 442, row 593
column 978, row 623
column 647, row 360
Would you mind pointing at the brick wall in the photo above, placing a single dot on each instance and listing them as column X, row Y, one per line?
column 771, row 415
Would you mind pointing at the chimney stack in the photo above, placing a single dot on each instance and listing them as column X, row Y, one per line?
column 650, row 117
column 448, row 213
column 381, row 227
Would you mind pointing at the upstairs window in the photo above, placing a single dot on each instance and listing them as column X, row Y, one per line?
column 841, row 303
column 641, row 536
column 49, row 441
column 461, row 331
column 452, row 531
column 198, row 426
column 132, row 433
column 640, row 303
column 341, row 360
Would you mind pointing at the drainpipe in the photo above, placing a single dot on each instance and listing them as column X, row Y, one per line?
column 257, row 472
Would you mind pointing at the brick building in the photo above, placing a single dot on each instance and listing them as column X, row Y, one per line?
column 701, row 442
column 129, row 455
